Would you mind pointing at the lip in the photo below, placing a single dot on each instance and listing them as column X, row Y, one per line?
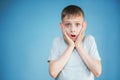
column 73, row 36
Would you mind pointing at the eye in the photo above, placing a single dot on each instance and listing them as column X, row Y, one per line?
column 77, row 24
column 67, row 24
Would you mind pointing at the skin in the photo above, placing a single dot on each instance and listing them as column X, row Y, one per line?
column 74, row 26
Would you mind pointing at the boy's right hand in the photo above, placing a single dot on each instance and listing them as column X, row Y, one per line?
column 66, row 37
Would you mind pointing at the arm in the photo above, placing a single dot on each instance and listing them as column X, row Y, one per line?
column 56, row 66
column 93, row 64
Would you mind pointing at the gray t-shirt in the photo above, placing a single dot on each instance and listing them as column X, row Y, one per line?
column 75, row 69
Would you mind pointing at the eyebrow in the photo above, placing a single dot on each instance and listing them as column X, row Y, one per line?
column 74, row 21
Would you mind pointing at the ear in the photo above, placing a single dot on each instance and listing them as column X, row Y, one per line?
column 84, row 24
column 61, row 25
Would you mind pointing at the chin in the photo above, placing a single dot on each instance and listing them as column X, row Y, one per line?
column 74, row 40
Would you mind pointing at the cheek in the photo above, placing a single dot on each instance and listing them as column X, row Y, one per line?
column 78, row 30
column 68, row 33
column 67, row 30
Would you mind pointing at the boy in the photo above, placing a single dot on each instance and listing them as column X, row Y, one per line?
column 74, row 56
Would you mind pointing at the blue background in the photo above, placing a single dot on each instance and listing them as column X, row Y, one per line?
column 27, row 29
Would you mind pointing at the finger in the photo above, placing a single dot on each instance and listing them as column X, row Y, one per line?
column 66, row 35
column 79, row 36
column 81, row 31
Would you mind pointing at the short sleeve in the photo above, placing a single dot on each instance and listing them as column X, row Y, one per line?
column 92, row 47
column 54, row 50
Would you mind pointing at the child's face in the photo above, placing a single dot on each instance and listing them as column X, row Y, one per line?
column 73, row 26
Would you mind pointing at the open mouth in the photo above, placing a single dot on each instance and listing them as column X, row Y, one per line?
column 73, row 35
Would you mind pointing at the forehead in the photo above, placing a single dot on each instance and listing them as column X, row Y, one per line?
column 73, row 19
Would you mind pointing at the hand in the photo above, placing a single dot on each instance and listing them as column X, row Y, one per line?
column 66, row 37
column 81, row 35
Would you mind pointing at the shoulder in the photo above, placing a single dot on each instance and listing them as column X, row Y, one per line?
column 89, row 39
column 58, row 43
column 58, row 40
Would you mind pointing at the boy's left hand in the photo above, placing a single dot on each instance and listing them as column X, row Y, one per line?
column 81, row 35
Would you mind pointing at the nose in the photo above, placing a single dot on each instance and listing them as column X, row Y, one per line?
column 72, row 29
